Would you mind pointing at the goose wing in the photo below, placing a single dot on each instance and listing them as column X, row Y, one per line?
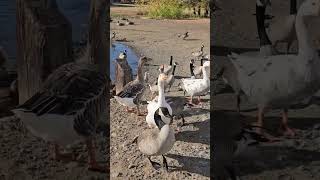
column 148, row 142
column 131, row 90
column 249, row 64
column 75, row 90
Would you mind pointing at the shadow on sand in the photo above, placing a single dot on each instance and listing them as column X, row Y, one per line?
column 192, row 164
column 202, row 135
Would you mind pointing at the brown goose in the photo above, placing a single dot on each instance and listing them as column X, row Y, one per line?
column 123, row 74
column 132, row 92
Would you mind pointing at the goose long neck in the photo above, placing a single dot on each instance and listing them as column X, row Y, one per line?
column 191, row 69
column 171, row 59
column 293, row 7
column 140, row 71
column 205, row 73
column 164, row 133
column 174, row 68
column 305, row 44
column 260, row 17
column 161, row 97
column 201, row 62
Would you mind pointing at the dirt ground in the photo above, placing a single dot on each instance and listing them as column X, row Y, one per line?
column 190, row 156
column 298, row 158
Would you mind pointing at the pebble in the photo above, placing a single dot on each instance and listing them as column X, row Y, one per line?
column 132, row 166
column 317, row 140
column 285, row 177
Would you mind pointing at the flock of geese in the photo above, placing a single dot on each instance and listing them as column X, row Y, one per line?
column 271, row 79
column 160, row 138
column 73, row 98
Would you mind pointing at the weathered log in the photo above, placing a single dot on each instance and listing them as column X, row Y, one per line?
column 44, row 42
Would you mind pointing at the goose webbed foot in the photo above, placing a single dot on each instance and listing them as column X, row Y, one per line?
column 93, row 164
column 288, row 132
column 129, row 110
column 155, row 165
column 165, row 163
column 65, row 157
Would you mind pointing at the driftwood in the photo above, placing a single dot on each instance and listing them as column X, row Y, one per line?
column 123, row 74
column 44, row 42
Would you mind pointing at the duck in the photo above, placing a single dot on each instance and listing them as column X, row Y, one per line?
column 166, row 69
column 198, row 54
column 272, row 86
column 131, row 94
column 282, row 30
column 72, row 100
column 129, row 22
column 184, row 35
column 198, row 87
column 157, row 102
column 123, row 55
column 120, row 23
column 157, row 141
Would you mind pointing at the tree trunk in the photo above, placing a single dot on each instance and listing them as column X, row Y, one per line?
column 44, row 42
column 199, row 11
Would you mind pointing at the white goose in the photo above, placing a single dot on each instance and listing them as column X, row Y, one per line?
column 282, row 80
column 158, row 103
column 198, row 87
column 266, row 49
column 283, row 29
column 157, row 141
column 132, row 92
column 72, row 101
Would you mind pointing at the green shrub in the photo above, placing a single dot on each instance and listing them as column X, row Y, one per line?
column 169, row 9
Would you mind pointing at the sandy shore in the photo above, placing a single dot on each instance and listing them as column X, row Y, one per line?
column 157, row 39
column 293, row 158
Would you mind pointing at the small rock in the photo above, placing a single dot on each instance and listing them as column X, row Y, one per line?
column 72, row 165
column 317, row 140
column 285, row 177
column 119, row 174
column 131, row 166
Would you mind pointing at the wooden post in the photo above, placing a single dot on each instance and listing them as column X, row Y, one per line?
column 44, row 42
column 99, row 35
